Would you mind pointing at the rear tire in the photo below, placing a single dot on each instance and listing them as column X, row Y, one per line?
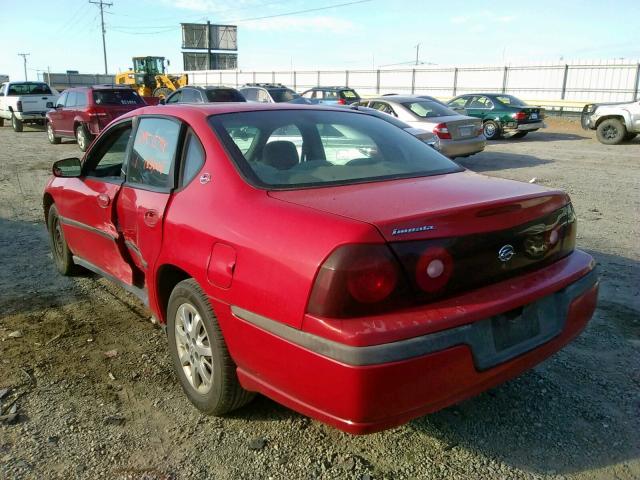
column 519, row 134
column 51, row 135
column 83, row 137
column 17, row 125
column 162, row 92
column 196, row 345
column 62, row 256
column 491, row 130
column 611, row 131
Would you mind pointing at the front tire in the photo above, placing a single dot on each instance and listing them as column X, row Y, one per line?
column 51, row 135
column 491, row 130
column 83, row 137
column 611, row 131
column 199, row 353
column 59, row 249
column 17, row 125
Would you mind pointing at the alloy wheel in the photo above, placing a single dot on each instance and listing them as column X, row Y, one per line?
column 194, row 349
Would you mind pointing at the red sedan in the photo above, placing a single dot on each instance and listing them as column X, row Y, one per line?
column 322, row 257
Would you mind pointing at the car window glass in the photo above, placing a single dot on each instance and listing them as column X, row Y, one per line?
column 251, row 94
column 243, row 137
column 308, row 94
column 343, row 143
column 349, row 94
column 62, row 100
column 263, row 96
column 117, row 97
column 81, row 99
column 153, row 152
column 190, row 95
column 481, row 102
column 110, row 154
column 175, row 98
column 71, row 100
column 428, row 109
column 459, row 102
column 224, row 95
column 193, row 159
column 330, row 95
column 511, row 100
column 383, row 107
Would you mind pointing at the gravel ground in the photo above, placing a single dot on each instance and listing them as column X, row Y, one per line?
column 82, row 414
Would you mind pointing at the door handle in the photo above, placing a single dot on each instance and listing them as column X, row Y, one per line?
column 103, row 200
column 151, row 218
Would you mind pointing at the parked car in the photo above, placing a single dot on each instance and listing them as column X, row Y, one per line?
column 426, row 136
column 268, row 93
column 613, row 122
column 500, row 114
column 363, row 294
column 460, row 136
column 332, row 95
column 213, row 94
column 25, row 102
column 82, row 112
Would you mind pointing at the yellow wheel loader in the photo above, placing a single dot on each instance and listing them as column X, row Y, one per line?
column 149, row 78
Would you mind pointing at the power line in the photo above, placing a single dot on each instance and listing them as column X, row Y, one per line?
column 102, row 4
column 24, row 58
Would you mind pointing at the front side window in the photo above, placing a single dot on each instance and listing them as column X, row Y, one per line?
column 153, row 152
column 71, row 99
column 175, row 97
column 306, row 148
column 107, row 158
column 251, row 94
column 62, row 99
column 283, row 95
column 190, row 95
column 81, row 98
column 428, row 109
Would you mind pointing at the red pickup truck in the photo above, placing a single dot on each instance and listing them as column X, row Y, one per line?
column 322, row 257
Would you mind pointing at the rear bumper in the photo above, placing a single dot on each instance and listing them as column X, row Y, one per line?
column 525, row 127
column 363, row 389
column 459, row 148
column 30, row 116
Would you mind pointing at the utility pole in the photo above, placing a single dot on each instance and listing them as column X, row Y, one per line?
column 102, row 4
column 418, row 53
column 24, row 58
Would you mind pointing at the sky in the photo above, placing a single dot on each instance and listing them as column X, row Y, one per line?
column 321, row 34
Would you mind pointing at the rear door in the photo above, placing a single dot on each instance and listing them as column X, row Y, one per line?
column 480, row 106
column 151, row 176
column 67, row 113
column 87, row 206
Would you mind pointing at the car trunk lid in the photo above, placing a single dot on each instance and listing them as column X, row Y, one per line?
column 463, row 127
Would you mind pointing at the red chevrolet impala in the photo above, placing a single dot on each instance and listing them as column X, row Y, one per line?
column 322, row 257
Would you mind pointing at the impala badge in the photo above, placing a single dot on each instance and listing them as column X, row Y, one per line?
column 423, row 228
column 506, row 253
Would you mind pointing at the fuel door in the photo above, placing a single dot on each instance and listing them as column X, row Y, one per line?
column 222, row 264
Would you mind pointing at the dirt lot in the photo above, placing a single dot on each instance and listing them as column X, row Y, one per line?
column 84, row 415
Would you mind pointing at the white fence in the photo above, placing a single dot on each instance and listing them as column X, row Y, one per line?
column 578, row 82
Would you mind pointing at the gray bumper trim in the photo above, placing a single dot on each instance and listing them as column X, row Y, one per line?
column 550, row 312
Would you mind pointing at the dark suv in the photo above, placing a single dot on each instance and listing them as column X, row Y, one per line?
column 268, row 93
column 194, row 94
column 83, row 112
column 332, row 95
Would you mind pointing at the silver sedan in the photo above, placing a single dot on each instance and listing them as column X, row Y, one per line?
column 460, row 136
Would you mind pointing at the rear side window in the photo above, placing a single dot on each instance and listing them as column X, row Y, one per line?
column 193, row 159
column 154, row 149
column 81, row 98
column 428, row 109
column 117, row 97
column 189, row 95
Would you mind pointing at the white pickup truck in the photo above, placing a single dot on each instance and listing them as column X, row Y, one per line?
column 25, row 102
column 613, row 122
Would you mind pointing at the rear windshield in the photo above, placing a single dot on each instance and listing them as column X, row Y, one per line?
column 29, row 89
column 511, row 100
column 283, row 94
column 287, row 149
column 224, row 95
column 117, row 97
column 429, row 109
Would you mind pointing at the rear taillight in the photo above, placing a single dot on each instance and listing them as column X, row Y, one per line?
column 519, row 116
column 479, row 129
column 342, row 101
column 442, row 131
column 356, row 280
column 96, row 112
column 18, row 106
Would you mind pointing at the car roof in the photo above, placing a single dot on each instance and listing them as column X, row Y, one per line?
column 331, row 88
column 399, row 98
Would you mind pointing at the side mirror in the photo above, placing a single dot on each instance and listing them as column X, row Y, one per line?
column 67, row 168
column 49, row 104
column 162, row 101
